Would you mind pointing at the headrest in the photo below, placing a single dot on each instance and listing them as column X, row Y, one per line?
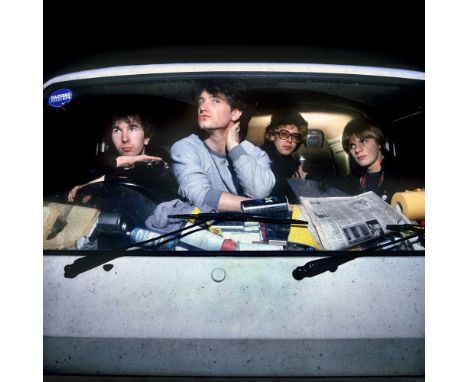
column 315, row 138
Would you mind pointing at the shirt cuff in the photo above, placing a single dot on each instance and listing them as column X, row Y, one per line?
column 236, row 152
column 212, row 198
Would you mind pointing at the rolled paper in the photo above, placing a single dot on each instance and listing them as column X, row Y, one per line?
column 410, row 203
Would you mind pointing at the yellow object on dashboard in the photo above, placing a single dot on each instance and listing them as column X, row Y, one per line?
column 300, row 234
column 410, row 203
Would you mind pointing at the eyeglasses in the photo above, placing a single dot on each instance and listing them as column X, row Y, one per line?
column 285, row 134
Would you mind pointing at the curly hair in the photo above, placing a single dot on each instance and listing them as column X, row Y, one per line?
column 286, row 117
column 232, row 90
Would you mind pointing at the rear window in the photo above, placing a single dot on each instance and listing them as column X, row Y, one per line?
column 131, row 163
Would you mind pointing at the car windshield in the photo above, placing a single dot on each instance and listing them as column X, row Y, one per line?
column 330, row 158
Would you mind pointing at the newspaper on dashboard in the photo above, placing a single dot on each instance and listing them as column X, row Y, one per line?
column 341, row 222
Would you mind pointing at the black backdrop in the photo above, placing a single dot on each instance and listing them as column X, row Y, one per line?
column 392, row 32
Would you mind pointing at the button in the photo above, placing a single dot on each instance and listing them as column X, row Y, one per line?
column 218, row 275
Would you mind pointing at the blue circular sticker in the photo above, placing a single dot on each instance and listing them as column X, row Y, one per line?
column 60, row 97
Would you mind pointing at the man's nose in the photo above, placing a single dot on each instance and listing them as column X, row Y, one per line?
column 124, row 136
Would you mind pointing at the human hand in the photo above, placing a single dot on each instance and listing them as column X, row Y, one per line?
column 232, row 138
column 72, row 194
column 299, row 173
column 130, row 160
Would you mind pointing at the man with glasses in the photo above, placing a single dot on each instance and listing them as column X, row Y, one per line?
column 283, row 136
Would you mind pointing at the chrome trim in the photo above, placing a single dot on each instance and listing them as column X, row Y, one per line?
column 129, row 70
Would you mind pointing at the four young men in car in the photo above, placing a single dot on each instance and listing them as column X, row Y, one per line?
column 216, row 170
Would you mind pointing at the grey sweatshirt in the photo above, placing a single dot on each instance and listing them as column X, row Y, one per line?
column 203, row 174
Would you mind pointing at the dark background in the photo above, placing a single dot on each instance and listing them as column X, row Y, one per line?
column 382, row 34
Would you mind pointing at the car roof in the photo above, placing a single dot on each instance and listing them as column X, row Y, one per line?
column 238, row 67
column 213, row 53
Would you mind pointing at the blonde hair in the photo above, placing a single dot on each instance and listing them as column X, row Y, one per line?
column 361, row 129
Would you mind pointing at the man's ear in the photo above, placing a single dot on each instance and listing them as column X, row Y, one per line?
column 146, row 141
column 235, row 115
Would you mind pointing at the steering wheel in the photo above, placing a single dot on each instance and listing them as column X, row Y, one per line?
column 133, row 202
column 152, row 177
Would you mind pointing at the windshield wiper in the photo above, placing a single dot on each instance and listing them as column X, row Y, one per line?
column 238, row 217
column 203, row 220
column 319, row 266
column 94, row 260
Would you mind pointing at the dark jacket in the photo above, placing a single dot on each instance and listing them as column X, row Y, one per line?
column 135, row 192
column 153, row 178
column 391, row 178
column 105, row 162
column 283, row 166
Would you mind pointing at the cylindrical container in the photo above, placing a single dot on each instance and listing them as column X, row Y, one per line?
column 410, row 203
column 258, row 247
column 303, row 163
column 110, row 223
column 207, row 240
column 140, row 234
column 266, row 205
